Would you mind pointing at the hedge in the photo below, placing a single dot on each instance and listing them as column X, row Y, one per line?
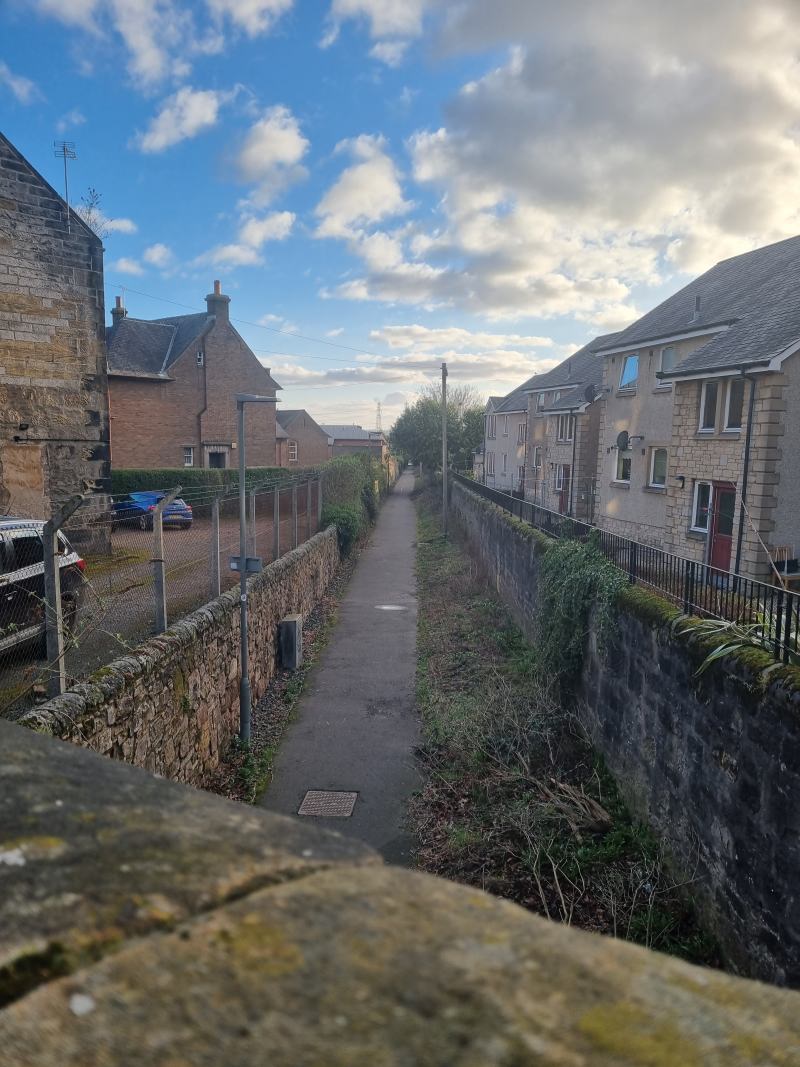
column 136, row 479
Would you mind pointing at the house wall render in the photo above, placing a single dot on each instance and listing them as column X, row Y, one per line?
column 713, row 765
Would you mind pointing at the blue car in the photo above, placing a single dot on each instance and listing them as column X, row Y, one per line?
column 137, row 509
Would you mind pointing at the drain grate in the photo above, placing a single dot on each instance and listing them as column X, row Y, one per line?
column 328, row 804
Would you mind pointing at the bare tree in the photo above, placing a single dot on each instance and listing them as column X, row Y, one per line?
column 92, row 213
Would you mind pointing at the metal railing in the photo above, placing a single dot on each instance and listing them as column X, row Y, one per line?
column 697, row 588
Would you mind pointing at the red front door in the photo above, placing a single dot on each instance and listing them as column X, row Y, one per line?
column 563, row 499
column 722, row 509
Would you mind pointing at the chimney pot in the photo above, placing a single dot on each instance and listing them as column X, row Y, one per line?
column 119, row 301
column 118, row 312
column 217, row 288
column 217, row 302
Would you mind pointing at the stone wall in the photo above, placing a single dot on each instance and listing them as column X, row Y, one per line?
column 172, row 706
column 52, row 346
column 144, row 924
column 712, row 764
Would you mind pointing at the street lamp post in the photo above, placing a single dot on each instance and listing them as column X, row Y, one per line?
column 244, row 682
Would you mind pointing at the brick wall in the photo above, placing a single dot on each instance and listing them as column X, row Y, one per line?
column 712, row 764
column 172, row 706
column 52, row 345
column 312, row 442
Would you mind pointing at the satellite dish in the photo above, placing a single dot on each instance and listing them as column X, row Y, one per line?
column 623, row 441
column 588, row 394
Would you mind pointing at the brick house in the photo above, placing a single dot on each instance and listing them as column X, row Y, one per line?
column 705, row 391
column 172, row 385
column 53, row 392
column 353, row 440
column 301, row 442
column 563, row 418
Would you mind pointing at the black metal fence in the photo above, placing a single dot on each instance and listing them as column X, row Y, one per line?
column 697, row 588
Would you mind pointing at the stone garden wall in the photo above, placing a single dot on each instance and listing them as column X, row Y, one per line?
column 172, row 705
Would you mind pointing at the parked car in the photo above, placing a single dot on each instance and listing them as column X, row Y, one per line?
column 137, row 509
column 22, row 584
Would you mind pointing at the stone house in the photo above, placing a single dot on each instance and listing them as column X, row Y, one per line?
column 704, row 390
column 563, row 418
column 53, row 391
column 173, row 383
column 301, row 442
column 505, row 430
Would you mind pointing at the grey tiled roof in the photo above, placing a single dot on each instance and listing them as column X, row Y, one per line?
column 349, row 433
column 753, row 295
column 581, row 368
column 150, row 347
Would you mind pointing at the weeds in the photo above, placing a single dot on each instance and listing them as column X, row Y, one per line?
column 516, row 800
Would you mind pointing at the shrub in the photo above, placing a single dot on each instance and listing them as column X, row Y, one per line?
column 348, row 520
column 136, row 479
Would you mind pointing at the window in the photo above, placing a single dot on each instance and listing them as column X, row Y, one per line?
column 505, row 426
column 188, row 456
column 537, row 457
column 293, row 451
column 560, row 476
column 701, row 506
column 623, row 467
column 540, row 401
column 491, row 426
column 658, row 467
column 708, row 407
column 521, row 433
column 200, row 357
column 630, row 372
column 29, row 550
column 505, row 463
column 490, row 463
column 734, row 404
column 566, row 427
column 668, row 358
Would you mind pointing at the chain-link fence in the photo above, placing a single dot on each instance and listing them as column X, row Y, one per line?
column 121, row 579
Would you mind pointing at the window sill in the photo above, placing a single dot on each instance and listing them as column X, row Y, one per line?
column 704, row 433
column 619, row 485
column 732, row 432
column 626, row 391
column 658, row 489
column 697, row 535
column 662, row 388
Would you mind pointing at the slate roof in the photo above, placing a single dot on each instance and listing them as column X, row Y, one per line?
column 584, row 367
column 149, row 347
column 349, row 433
column 753, row 296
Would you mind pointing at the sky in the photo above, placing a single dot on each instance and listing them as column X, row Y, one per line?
column 381, row 185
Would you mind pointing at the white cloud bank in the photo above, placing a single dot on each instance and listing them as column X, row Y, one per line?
column 21, row 88
column 183, row 115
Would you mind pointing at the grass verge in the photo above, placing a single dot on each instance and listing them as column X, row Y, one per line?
column 516, row 800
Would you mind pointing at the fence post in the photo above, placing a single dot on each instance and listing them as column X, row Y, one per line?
column 294, row 515
column 778, row 625
column 252, row 524
column 53, row 615
column 308, row 510
column 216, row 578
column 319, row 502
column 159, row 569
column 276, row 524
column 632, row 563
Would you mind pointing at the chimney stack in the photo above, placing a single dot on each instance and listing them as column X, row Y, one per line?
column 217, row 303
column 118, row 313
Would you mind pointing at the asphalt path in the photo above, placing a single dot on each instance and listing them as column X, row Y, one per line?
column 356, row 727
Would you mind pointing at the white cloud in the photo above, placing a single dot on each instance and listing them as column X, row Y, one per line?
column 335, row 333
column 253, row 16
column 274, row 227
column 426, row 338
column 390, row 23
column 22, row 88
column 272, row 153
column 158, row 255
column 230, row 255
column 126, row 265
column 363, row 194
column 70, row 118
column 391, row 53
column 277, row 322
column 183, row 115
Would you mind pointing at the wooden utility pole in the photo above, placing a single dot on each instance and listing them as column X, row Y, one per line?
column 444, row 449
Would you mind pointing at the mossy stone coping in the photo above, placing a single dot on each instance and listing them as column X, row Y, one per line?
column 145, row 923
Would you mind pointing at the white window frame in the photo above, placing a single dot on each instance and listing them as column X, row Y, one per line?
column 505, row 426
column 188, row 454
column 522, row 433
column 540, row 401
column 570, row 427
column 537, row 455
column 729, row 386
column 617, row 476
column 491, row 428
column 652, row 482
column 200, row 358
column 625, row 360
column 505, row 463
column 703, row 393
column 292, row 452
column 666, row 348
column 490, row 463
column 695, row 494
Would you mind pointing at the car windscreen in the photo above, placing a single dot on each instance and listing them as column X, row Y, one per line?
column 28, row 550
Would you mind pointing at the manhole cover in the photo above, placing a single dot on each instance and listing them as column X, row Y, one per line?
column 327, row 804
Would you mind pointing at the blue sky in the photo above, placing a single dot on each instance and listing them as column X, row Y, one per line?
column 491, row 184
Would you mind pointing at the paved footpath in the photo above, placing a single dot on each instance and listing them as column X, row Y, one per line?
column 356, row 725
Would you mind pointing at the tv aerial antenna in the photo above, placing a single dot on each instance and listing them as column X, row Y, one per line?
column 66, row 150
column 378, row 417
